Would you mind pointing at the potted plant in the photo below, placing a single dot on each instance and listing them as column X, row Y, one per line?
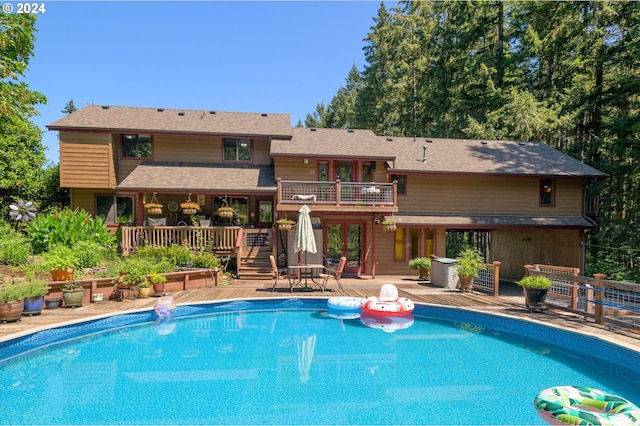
column 153, row 209
column 158, row 281
column 11, row 301
column 470, row 262
column 72, row 294
column 535, row 288
column 225, row 212
column 422, row 264
column 34, row 291
column 389, row 225
column 285, row 224
column 189, row 207
column 144, row 288
column 61, row 261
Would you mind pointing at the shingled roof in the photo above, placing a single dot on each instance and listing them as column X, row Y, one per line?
column 436, row 155
column 199, row 177
column 492, row 220
column 332, row 143
column 161, row 120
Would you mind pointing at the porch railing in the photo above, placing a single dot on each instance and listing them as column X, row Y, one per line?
column 337, row 193
column 217, row 239
column 605, row 301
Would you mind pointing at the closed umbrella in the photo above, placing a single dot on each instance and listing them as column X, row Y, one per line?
column 304, row 239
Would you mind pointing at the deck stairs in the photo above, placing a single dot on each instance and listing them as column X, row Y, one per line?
column 255, row 264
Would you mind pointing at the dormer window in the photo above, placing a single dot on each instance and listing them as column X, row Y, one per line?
column 237, row 149
column 547, row 192
column 136, row 146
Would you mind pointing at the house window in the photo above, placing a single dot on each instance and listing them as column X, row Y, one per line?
column 136, row 146
column 402, row 185
column 115, row 209
column 237, row 149
column 323, row 171
column 547, row 192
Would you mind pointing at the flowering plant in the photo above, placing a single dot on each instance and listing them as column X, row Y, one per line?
column 189, row 205
column 153, row 206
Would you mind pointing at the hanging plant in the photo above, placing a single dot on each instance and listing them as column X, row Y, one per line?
column 285, row 224
column 226, row 212
column 153, row 207
column 189, row 207
column 389, row 225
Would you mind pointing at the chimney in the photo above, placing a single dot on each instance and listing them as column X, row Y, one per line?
column 424, row 153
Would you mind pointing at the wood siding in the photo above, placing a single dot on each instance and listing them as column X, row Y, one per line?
column 86, row 160
column 84, row 199
column 490, row 195
column 518, row 247
column 295, row 169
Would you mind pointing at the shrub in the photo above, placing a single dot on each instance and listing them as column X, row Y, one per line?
column 60, row 257
column 470, row 262
column 535, row 281
column 67, row 227
column 420, row 263
column 206, row 260
column 14, row 247
column 90, row 254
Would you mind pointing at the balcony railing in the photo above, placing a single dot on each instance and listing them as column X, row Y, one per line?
column 337, row 193
column 217, row 239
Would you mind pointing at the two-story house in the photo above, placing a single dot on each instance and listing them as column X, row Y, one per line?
column 520, row 202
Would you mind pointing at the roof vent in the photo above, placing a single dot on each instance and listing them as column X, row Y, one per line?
column 181, row 113
column 350, row 130
column 105, row 106
column 160, row 109
column 483, row 142
column 264, row 114
column 212, row 112
column 521, row 143
column 429, row 141
column 313, row 129
column 389, row 139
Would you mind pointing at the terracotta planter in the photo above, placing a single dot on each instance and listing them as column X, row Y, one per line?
column 158, row 288
column 62, row 274
column 189, row 211
column 11, row 311
column 424, row 272
column 144, row 292
column 466, row 283
column 33, row 305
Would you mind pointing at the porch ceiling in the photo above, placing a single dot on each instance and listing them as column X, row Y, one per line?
column 199, row 177
column 491, row 221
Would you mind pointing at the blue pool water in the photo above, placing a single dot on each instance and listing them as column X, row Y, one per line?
column 289, row 362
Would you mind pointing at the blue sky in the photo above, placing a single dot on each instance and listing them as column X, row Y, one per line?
column 260, row 56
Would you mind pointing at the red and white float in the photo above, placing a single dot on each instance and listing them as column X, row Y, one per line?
column 388, row 303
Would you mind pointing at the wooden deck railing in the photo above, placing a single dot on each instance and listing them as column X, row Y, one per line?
column 217, row 239
column 337, row 193
column 605, row 301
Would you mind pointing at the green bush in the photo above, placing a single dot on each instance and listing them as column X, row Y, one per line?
column 67, row 227
column 206, row 260
column 60, row 257
column 90, row 254
column 14, row 247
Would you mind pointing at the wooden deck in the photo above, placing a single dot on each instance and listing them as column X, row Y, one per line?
column 509, row 303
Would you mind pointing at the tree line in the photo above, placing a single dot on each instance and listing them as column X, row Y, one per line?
column 566, row 73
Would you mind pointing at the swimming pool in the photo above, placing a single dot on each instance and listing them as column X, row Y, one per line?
column 288, row 362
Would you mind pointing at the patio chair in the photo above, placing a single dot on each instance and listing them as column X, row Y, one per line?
column 334, row 273
column 281, row 273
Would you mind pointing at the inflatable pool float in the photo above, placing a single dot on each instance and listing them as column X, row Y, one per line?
column 385, row 323
column 575, row 405
column 348, row 304
column 388, row 303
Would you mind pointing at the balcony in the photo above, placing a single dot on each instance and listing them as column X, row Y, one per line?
column 338, row 196
column 220, row 240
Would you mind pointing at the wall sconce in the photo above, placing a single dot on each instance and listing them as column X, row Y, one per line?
column 305, row 161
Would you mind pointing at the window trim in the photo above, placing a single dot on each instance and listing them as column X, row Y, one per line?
column 404, row 245
column 405, row 182
column 137, row 135
column 114, row 198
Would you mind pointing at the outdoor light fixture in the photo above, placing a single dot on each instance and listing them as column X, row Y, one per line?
column 305, row 161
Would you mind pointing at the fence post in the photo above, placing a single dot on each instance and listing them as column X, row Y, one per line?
column 574, row 290
column 338, row 192
column 496, row 278
column 599, row 298
column 528, row 269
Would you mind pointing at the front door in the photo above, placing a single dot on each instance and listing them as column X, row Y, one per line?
column 345, row 239
column 263, row 212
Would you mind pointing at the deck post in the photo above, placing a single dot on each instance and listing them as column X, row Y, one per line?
column 599, row 298
column 496, row 278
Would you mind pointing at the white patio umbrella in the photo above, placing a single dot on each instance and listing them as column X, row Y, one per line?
column 304, row 239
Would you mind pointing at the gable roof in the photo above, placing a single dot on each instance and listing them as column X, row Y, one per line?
column 161, row 120
column 332, row 143
column 201, row 177
column 486, row 157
